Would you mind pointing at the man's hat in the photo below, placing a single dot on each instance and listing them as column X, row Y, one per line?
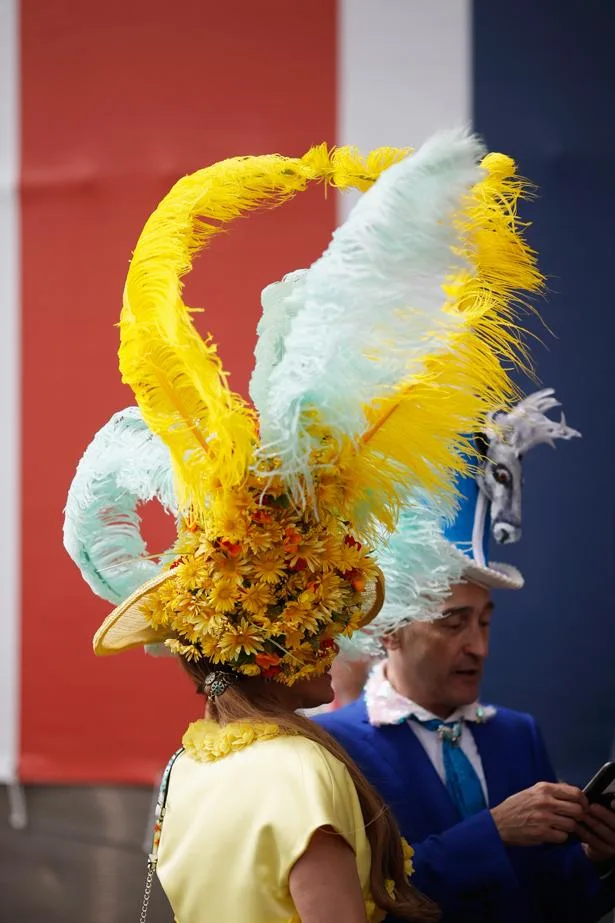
column 426, row 556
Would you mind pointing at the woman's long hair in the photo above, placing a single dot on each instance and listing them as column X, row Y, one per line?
column 255, row 700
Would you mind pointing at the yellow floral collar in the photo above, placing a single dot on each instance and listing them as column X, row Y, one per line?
column 206, row 741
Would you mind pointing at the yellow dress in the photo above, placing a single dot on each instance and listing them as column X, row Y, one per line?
column 243, row 802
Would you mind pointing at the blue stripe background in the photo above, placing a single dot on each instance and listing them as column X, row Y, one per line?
column 543, row 91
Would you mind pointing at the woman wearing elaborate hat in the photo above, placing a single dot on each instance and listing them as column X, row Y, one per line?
column 371, row 364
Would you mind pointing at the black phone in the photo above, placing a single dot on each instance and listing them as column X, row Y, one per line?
column 601, row 789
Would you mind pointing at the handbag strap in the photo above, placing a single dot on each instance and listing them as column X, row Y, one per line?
column 152, row 859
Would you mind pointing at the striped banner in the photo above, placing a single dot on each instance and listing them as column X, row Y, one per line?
column 102, row 107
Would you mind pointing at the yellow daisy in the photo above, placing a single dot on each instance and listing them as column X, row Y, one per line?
column 183, row 604
column 262, row 621
column 268, row 567
column 258, row 540
column 155, row 613
column 332, row 546
column 241, row 638
column 261, row 538
column 210, row 645
column 191, row 573
column 207, row 622
column 228, row 567
column 255, row 598
column 293, row 635
column 229, row 519
column 189, row 632
column 349, row 557
column 354, row 621
column 223, row 595
column 166, row 592
column 204, row 547
column 249, row 669
column 187, row 542
column 332, row 591
column 310, row 550
column 296, row 583
column 307, row 597
column 233, row 527
column 189, row 651
column 297, row 616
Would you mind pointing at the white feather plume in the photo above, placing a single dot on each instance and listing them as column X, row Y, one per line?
column 372, row 305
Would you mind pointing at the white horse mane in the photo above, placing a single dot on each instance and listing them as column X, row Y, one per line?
column 527, row 424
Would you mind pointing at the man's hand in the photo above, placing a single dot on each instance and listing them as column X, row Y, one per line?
column 597, row 833
column 546, row 813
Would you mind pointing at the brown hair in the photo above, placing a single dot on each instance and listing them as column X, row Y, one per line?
column 255, row 700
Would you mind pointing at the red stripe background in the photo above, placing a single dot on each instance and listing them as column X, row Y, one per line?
column 118, row 100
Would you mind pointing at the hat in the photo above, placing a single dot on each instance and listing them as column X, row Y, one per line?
column 371, row 365
column 470, row 532
column 427, row 555
column 491, row 503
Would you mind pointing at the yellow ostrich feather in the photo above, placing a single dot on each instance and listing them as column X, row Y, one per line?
column 420, row 434
column 176, row 376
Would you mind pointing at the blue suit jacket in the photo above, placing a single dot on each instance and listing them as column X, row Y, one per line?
column 463, row 864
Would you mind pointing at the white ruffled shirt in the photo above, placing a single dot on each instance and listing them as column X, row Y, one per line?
column 386, row 706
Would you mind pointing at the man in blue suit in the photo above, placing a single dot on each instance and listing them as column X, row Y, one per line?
column 472, row 787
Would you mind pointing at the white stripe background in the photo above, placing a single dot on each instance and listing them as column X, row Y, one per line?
column 9, row 388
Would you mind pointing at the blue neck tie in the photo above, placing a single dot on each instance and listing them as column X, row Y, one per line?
column 462, row 782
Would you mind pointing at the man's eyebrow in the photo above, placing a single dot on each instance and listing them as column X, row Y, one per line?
column 457, row 610
column 465, row 611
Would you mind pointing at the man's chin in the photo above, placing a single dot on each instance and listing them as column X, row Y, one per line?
column 467, row 686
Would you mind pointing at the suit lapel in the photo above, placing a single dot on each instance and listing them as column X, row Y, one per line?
column 414, row 789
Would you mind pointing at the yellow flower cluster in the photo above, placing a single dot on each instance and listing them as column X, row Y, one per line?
column 264, row 588
column 206, row 741
column 408, row 852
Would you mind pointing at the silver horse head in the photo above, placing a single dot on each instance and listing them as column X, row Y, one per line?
column 508, row 436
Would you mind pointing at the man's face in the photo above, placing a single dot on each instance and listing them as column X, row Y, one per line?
column 442, row 661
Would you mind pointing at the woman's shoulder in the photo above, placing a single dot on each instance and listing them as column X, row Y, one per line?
column 279, row 786
column 299, row 755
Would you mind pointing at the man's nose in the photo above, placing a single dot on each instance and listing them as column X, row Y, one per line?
column 477, row 644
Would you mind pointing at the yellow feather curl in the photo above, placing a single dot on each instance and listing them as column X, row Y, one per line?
column 422, row 433
column 176, row 376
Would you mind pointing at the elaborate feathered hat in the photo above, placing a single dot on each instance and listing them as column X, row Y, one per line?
column 371, row 366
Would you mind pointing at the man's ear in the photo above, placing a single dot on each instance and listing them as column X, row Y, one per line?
column 392, row 642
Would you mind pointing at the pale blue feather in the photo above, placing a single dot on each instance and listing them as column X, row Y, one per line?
column 419, row 568
column 124, row 465
column 280, row 302
column 365, row 314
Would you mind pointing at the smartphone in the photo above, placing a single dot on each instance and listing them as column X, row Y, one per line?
column 601, row 789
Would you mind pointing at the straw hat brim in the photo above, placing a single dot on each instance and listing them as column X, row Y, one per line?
column 494, row 576
column 127, row 627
